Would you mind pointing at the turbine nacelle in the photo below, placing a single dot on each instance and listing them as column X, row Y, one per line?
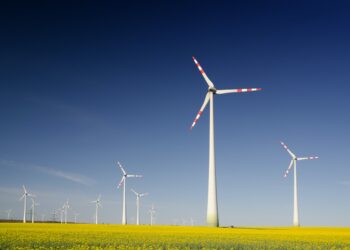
column 212, row 89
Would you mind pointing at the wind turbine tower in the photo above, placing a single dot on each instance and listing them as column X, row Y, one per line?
column 61, row 214
column 212, row 207
column 65, row 209
column 34, row 204
column 293, row 163
column 75, row 217
column 8, row 213
column 123, row 181
column 138, row 196
column 152, row 212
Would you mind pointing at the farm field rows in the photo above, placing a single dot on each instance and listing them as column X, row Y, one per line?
column 81, row 236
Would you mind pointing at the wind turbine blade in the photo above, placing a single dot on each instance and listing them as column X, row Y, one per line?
column 24, row 189
column 22, row 197
column 134, row 175
column 144, row 194
column 134, row 192
column 289, row 167
column 229, row 91
column 210, row 84
column 32, row 195
column 121, row 168
column 206, row 100
column 288, row 150
column 121, row 181
column 99, row 197
column 307, row 158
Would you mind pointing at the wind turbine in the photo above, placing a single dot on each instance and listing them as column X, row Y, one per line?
column 138, row 196
column 123, row 181
column 75, row 217
column 54, row 214
column 9, row 211
column 212, row 207
column 192, row 221
column 34, row 204
column 293, row 162
column 61, row 210
column 152, row 212
column 24, row 196
column 65, row 209
column 98, row 204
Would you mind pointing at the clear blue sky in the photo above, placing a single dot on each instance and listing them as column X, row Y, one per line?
column 85, row 84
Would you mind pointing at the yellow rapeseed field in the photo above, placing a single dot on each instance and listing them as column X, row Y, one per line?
column 79, row 236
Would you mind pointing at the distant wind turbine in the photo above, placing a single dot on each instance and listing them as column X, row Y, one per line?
column 75, row 217
column 34, row 204
column 54, row 214
column 192, row 221
column 9, row 211
column 61, row 210
column 138, row 196
column 294, row 162
column 152, row 212
column 212, row 208
column 24, row 196
column 97, row 204
column 65, row 209
column 123, row 181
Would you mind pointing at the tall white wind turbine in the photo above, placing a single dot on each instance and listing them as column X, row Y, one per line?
column 212, row 208
column 24, row 197
column 34, row 204
column 123, row 181
column 293, row 162
column 97, row 204
column 138, row 196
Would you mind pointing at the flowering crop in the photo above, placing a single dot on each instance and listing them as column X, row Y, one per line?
column 81, row 236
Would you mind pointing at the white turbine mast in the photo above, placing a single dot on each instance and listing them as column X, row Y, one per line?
column 123, row 181
column 152, row 213
column 212, row 207
column 192, row 221
column 293, row 162
column 138, row 196
column 34, row 204
column 65, row 208
column 24, row 197
column 61, row 210
column 75, row 217
column 9, row 211
column 97, row 205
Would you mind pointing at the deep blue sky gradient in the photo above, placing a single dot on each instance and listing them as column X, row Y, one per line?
column 84, row 84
